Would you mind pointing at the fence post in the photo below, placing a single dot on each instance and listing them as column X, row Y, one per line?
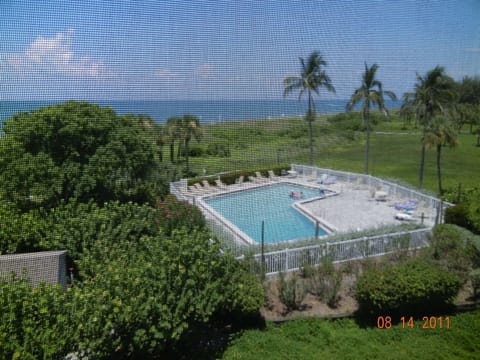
column 286, row 259
column 263, row 250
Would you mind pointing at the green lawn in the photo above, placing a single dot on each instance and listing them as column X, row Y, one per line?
column 344, row 339
column 265, row 143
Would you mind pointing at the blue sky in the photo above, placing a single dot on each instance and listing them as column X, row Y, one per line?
column 225, row 50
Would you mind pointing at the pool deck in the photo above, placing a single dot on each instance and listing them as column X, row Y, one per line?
column 355, row 208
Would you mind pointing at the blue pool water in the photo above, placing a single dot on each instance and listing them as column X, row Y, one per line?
column 273, row 204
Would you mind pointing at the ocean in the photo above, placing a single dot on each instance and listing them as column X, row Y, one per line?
column 207, row 110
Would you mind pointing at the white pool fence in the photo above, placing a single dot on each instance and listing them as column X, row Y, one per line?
column 292, row 259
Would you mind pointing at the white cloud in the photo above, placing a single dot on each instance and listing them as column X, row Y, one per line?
column 56, row 55
column 473, row 49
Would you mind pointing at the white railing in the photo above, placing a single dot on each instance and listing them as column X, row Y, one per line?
column 293, row 259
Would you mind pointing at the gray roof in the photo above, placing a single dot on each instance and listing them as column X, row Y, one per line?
column 46, row 266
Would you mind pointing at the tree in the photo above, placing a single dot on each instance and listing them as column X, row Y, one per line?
column 189, row 129
column 440, row 132
column 312, row 78
column 371, row 93
column 173, row 134
column 432, row 94
column 74, row 150
column 407, row 110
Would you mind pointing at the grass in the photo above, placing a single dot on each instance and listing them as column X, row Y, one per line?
column 345, row 339
column 264, row 143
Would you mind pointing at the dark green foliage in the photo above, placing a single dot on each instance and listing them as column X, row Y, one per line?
column 34, row 322
column 291, row 292
column 76, row 151
column 19, row 232
column 80, row 228
column 347, row 121
column 218, row 149
column 416, row 287
column 456, row 249
column 175, row 214
column 458, row 215
column 140, row 299
column 467, row 212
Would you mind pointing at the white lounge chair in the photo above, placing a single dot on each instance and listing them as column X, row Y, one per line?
column 260, row 177
column 209, row 187
column 220, row 184
column 272, row 176
column 193, row 190
column 200, row 188
column 329, row 180
column 239, row 180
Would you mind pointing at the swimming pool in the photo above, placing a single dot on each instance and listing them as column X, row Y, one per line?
column 273, row 204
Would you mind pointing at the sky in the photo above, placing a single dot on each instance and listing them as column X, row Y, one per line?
column 99, row 50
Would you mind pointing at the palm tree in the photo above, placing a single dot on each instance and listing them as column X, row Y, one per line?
column 432, row 94
column 408, row 109
column 172, row 134
column 438, row 133
column 312, row 78
column 371, row 93
column 190, row 129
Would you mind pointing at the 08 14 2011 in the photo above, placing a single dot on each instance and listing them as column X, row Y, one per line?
column 409, row 322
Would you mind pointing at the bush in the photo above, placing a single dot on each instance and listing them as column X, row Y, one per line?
column 416, row 287
column 142, row 298
column 458, row 215
column 290, row 292
column 218, row 149
column 20, row 232
column 455, row 249
column 325, row 283
column 33, row 321
column 75, row 150
column 175, row 214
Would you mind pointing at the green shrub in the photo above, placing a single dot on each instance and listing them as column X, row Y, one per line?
column 458, row 215
column 290, row 292
column 448, row 247
column 325, row 282
column 175, row 214
column 416, row 287
column 218, row 149
column 34, row 322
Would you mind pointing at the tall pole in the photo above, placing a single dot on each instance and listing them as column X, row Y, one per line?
column 263, row 250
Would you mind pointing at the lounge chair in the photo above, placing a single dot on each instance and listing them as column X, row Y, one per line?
column 199, row 187
column 220, row 184
column 193, row 190
column 272, row 176
column 313, row 176
column 260, row 177
column 209, row 187
column 326, row 179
